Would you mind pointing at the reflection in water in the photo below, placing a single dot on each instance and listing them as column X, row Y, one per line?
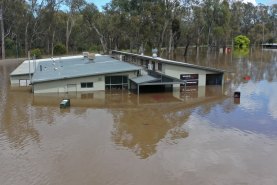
column 141, row 122
column 16, row 115
column 143, row 128
column 255, row 113
column 199, row 136
column 221, row 156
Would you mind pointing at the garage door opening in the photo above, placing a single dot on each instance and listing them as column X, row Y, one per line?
column 214, row 79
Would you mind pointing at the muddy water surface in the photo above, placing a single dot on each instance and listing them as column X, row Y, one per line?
column 202, row 136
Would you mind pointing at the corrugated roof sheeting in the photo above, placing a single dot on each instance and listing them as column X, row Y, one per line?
column 79, row 67
column 144, row 79
column 24, row 68
column 169, row 61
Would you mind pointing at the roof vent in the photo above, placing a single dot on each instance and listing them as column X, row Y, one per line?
column 91, row 56
column 85, row 54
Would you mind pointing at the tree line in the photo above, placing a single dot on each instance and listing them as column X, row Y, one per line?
column 136, row 25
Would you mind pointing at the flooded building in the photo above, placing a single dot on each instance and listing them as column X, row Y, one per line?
column 122, row 70
column 191, row 75
column 76, row 74
column 270, row 45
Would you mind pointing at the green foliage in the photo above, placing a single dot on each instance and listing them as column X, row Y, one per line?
column 10, row 47
column 241, row 42
column 241, row 53
column 272, row 40
column 59, row 49
column 132, row 24
column 94, row 48
column 36, row 52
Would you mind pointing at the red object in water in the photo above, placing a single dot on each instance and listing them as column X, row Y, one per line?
column 247, row 78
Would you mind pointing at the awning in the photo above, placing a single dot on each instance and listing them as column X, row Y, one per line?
column 154, row 79
column 144, row 79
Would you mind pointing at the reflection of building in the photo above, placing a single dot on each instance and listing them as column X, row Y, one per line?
column 142, row 127
column 142, row 121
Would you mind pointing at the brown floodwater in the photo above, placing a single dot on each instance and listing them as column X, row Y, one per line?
column 202, row 136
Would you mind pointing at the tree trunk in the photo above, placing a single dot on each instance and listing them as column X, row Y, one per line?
column 208, row 42
column 170, row 43
column 67, row 34
column 26, row 39
column 186, row 48
column 2, row 34
column 101, row 38
column 131, row 46
column 52, row 44
column 160, row 44
column 48, row 45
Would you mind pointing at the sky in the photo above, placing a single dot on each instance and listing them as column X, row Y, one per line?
column 100, row 3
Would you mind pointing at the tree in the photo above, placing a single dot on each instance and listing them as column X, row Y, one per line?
column 2, row 32
column 5, row 17
column 95, row 20
column 131, row 24
column 241, row 42
column 72, row 16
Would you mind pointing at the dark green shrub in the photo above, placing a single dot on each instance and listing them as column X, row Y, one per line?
column 94, row 48
column 10, row 47
column 272, row 40
column 36, row 52
column 59, row 49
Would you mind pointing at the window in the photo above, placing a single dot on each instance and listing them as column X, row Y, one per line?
column 125, row 79
column 116, row 82
column 107, row 79
column 87, row 85
column 160, row 66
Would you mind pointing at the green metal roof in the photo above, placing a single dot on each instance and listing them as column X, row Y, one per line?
column 172, row 62
column 144, row 79
column 79, row 67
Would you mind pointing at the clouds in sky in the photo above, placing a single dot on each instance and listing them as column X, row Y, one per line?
column 250, row 1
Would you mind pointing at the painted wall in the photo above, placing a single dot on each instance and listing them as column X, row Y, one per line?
column 74, row 84
column 15, row 79
column 176, row 71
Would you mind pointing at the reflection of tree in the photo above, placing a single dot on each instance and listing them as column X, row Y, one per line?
column 16, row 112
column 142, row 128
column 258, row 64
column 241, row 52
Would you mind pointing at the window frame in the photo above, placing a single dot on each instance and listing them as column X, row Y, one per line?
column 87, row 85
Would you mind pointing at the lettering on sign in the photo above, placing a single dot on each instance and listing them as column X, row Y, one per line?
column 190, row 79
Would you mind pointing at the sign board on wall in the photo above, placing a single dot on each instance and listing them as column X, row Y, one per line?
column 191, row 79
